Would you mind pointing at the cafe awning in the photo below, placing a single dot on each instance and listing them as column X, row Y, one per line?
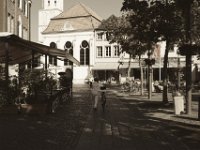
column 18, row 50
column 105, row 66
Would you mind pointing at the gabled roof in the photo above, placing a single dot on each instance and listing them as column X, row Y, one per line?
column 77, row 18
column 79, row 10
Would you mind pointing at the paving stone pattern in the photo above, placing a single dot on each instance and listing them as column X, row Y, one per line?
column 59, row 131
column 125, row 124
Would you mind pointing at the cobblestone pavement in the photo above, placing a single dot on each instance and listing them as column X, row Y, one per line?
column 135, row 123
column 126, row 124
column 59, row 131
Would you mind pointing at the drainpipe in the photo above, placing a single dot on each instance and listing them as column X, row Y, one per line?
column 29, row 19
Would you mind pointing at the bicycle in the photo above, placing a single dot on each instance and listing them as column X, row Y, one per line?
column 66, row 95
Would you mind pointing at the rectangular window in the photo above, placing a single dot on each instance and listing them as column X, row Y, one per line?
column 9, row 23
column 18, row 28
column 99, row 36
column 26, row 8
column 24, row 34
column 108, row 36
column 84, row 56
column 36, row 62
column 67, row 62
column 108, row 51
column 116, row 51
column 53, row 60
column 99, row 51
column 19, row 3
column 23, row 6
column 12, row 25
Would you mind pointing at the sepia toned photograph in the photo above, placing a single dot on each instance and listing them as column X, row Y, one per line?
column 100, row 75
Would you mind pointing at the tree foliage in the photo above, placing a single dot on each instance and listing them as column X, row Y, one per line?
column 119, row 30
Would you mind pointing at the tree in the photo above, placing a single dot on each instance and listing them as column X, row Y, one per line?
column 170, row 27
column 190, row 45
column 156, row 21
column 143, row 24
column 119, row 30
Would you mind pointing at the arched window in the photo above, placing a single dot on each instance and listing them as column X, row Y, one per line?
column 84, row 53
column 19, row 27
column 53, row 59
column 68, row 49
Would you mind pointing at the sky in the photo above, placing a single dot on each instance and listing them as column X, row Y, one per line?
column 104, row 8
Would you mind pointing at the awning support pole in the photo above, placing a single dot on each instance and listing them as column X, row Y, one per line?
column 32, row 60
column 45, row 66
column 7, row 71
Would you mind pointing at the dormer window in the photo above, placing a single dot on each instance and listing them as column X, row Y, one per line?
column 66, row 26
column 116, row 51
column 99, row 36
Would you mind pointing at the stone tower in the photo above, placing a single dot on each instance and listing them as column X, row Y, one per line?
column 50, row 9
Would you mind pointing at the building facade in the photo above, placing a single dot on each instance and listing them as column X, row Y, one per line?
column 16, row 17
column 77, row 32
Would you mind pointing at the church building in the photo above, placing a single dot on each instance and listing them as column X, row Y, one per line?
column 76, row 32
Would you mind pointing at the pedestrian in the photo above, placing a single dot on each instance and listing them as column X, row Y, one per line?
column 90, row 80
column 95, row 92
column 103, row 95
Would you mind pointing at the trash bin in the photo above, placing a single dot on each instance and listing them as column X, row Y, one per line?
column 178, row 105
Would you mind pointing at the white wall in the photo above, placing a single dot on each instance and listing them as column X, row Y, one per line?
column 80, row 73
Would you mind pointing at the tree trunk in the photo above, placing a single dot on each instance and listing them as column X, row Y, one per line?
column 188, row 59
column 150, row 81
column 129, row 66
column 141, row 77
column 178, row 73
column 188, row 84
column 165, row 73
column 149, row 72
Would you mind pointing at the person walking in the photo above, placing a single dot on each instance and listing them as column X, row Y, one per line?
column 103, row 95
column 91, row 80
column 95, row 92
